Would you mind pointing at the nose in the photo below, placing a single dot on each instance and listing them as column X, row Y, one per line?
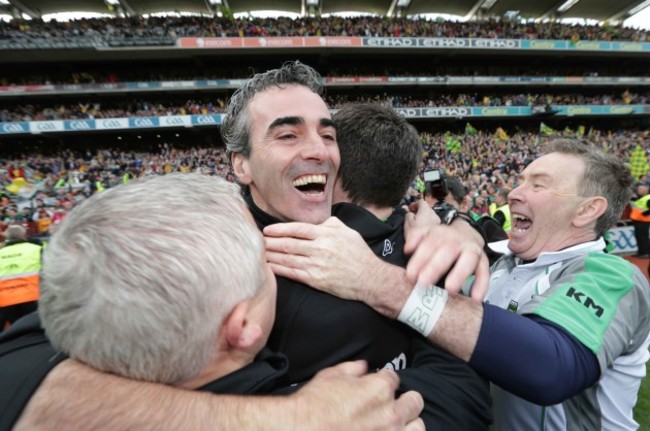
column 516, row 194
column 315, row 148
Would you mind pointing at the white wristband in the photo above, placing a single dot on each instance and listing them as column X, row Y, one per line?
column 423, row 308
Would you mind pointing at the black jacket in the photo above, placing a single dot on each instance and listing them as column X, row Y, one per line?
column 316, row 330
column 26, row 356
column 259, row 377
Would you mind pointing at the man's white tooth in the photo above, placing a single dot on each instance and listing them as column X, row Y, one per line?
column 307, row 179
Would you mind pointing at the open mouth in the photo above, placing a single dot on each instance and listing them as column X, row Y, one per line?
column 311, row 184
column 520, row 223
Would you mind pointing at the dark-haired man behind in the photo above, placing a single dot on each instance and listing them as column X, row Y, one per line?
column 380, row 157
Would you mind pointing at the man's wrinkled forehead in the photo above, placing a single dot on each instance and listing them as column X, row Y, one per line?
column 557, row 166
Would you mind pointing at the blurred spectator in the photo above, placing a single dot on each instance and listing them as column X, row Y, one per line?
column 20, row 262
column 640, row 216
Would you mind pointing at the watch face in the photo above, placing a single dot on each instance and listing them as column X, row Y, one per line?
column 450, row 216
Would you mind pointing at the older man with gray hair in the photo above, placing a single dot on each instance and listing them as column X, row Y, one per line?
column 164, row 298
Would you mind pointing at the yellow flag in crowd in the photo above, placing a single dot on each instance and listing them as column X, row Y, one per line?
column 639, row 162
column 16, row 185
column 501, row 134
column 545, row 130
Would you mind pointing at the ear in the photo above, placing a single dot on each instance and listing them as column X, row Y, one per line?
column 589, row 211
column 241, row 332
column 241, row 167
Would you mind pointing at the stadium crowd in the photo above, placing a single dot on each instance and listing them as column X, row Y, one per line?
column 22, row 31
column 52, row 185
column 85, row 75
column 140, row 108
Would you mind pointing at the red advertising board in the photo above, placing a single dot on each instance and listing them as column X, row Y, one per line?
column 267, row 42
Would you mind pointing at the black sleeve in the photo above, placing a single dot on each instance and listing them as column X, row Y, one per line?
column 499, row 217
column 455, row 396
column 26, row 357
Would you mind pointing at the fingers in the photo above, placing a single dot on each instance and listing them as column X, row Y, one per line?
column 409, row 406
column 403, row 412
column 350, row 368
column 454, row 251
column 294, row 229
column 291, row 273
column 481, row 280
column 411, row 237
column 389, row 376
column 301, row 230
column 333, row 222
column 428, row 265
column 287, row 245
column 471, row 261
column 416, row 425
column 417, row 224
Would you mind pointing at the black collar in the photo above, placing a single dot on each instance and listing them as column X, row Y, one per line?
column 262, row 219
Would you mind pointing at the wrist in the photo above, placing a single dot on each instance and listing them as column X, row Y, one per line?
column 423, row 308
column 390, row 290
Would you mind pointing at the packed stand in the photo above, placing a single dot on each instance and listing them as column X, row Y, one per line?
column 38, row 191
column 369, row 26
column 88, row 76
column 142, row 108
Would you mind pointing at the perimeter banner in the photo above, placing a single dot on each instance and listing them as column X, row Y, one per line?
column 267, row 42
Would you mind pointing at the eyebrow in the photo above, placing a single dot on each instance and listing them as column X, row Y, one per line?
column 533, row 176
column 282, row 121
column 295, row 120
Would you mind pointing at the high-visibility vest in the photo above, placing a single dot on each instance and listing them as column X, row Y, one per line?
column 19, row 267
column 99, row 186
column 640, row 205
column 505, row 209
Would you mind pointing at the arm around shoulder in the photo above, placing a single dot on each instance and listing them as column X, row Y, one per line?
column 74, row 396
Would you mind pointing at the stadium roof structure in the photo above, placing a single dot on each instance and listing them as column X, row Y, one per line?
column 601, row 10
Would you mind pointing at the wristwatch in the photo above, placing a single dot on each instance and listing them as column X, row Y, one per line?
column 448, row 214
